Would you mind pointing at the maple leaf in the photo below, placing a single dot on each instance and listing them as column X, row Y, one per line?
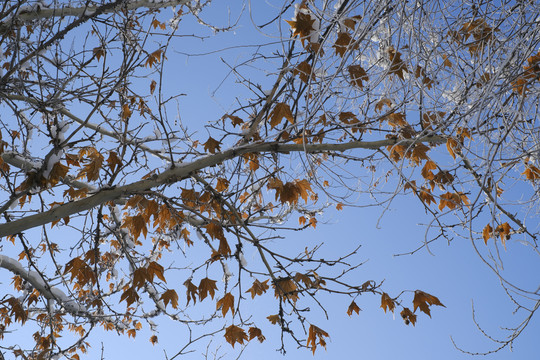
column 397, row 66
column 316, row 334
column 408, row 316
column 303, row 278
column 154, row 339
column 387, row 303
column 207, row 286
column 154, row 58
column 487, row 233
column 381, row 103
column 531, row 172
column 155, row 269
column 135, row 224
column 452, row 200
column 343, row 42
column 235, row 120
column 255, row 332
column 235, row 334
column 222, row 184
column 226, row 304
column 419, row 153
column 98, row 52
column 170, row 296
column 304, row 71
column 285, row 287
column 139, row 278
column 258, row 288
column 274, row 319
column 130, row 295
column 114, row 161
column 426, row 170
column 302, row 25
column 504, row 232
column 280, row 111
column 191, row 291
column 358, row 74
column 212, row 145
column 353, row 308
column 95, row 161
column 453, row 147
column 426, row 196
column 423, row 300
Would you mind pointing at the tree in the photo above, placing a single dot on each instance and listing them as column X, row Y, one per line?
column 114, row 191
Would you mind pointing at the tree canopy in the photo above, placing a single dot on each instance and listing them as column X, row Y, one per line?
column 128, row 199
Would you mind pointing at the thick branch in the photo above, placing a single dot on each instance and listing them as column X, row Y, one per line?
column 181, row 171
column 37, row 11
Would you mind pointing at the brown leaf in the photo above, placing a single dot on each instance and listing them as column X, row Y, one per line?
column 408, row 316
column 130, row 295
column 258, row 288
column 423, row 300
column 316, row 334
column 255, row 332
column 274, row 319
column 304, row 71
column 397, row 66
column 358, row 74
column 343, row 42
column 281, row 110
column 114, row 162
column 191, row 291
column 302, row 26
column 387, row 303
column 212, row 145
column 285, row 287
column 170, row 296
column 487, row 233
column 226, row 304
column 353, row 308
column 234, row 334
column 154, row 339
column 207, row 286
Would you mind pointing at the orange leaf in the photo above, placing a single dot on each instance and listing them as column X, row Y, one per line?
column 316, row 333
column 154, row 269
column 423, row 300
column 353, row 308
column 504, row 232
column 381, row 103
column 387, row 303
column 453, row 147
column 154, row 339
column 234, row 334
column 487, row 233
column 426, row 170
column 226, row 304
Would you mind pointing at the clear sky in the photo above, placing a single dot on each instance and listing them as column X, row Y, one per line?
column 453, row 271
